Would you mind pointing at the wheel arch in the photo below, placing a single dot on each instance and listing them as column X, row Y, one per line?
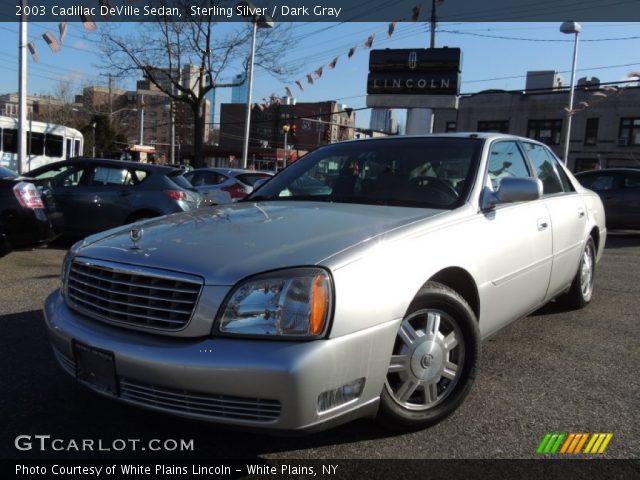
column 461, row 281
column 595, row 234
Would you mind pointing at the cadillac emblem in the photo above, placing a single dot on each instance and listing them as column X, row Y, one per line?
column 136, row 235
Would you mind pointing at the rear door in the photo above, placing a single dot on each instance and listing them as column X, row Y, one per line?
column 109, row 195
column 567, row 212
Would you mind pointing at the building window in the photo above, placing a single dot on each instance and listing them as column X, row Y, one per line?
column 500, row 126
column 629, row 131
column 591, row 132
column 545, row 131
column 451, row 127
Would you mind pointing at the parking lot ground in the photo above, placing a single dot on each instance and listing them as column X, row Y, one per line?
column 554, row 371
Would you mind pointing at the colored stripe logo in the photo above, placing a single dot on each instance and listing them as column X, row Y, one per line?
column 574, row 443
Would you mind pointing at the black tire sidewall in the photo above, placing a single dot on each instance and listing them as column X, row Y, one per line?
column 439, row 297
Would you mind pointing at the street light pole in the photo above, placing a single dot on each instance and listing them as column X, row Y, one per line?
column 263, row 21
column 570, row 28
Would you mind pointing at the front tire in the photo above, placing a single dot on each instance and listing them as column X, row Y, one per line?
column 581, row 290
column 434, row 361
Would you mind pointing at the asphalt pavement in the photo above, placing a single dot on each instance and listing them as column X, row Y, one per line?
column 554, row 371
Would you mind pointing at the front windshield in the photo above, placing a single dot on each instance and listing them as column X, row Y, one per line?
column 433, row 172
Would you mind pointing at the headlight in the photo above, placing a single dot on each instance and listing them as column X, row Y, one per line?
column 66, row 264
column 287, row 303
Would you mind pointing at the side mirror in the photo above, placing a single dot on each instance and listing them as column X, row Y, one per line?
column 511, row 190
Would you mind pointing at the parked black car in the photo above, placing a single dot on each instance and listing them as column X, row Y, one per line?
column 619, row 189
column 98, row 194
column 27, row 213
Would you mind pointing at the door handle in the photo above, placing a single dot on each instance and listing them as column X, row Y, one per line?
column 543, row 224
column 580, row 213
column 124, row 193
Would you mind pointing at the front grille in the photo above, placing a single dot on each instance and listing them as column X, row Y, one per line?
column 206, row 404
column 134, row 297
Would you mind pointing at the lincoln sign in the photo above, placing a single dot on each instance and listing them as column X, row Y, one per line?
column 406, row 78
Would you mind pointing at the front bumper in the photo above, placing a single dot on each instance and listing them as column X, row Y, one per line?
column 252, row 383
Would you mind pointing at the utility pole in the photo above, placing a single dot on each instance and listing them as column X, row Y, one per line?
column 141, row 120
column 172, row 156
column 110, row 96
column 22, row 92
column 285, row 129
column 433, row 24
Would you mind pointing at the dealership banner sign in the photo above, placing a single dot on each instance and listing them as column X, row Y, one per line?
column 408, row 78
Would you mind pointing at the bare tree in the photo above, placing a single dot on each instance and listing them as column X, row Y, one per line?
column 160, row 51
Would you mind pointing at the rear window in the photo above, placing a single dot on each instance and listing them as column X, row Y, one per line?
column 179, row 179
column 251, row 178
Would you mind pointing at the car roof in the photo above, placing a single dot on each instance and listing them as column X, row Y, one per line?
column 479, row 135
column 230, row 171
column 116, row 163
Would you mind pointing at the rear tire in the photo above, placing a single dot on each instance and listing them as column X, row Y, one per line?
column 581, row 290
column 434, row 361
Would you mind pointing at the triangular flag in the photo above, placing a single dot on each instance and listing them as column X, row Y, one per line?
column 51, row 41
column 369, row 42
column 299, row 85
column 333, row 63
column 310, row 79
column 352, row 50
column 62, row 28
column 415, row 13
column 88, row 23
column 392, row 27
column 318, row 72
column 34, row 53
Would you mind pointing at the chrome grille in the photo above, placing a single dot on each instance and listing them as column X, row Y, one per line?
column 131, row 296
column 206, row 404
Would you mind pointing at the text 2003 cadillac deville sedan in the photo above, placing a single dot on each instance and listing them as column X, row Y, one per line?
column 357, row 282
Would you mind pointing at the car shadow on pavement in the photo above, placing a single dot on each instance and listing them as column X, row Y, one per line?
column 622, row 239
column 40, row 397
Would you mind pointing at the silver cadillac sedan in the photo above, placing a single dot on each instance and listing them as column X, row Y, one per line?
column 357, row 282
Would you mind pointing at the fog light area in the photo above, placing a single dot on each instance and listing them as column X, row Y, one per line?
column 335, row 398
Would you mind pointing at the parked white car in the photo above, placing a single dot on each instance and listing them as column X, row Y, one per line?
column 357, row 282
column 216, row 183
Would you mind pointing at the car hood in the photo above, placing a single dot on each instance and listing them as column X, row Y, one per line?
column 227, row 243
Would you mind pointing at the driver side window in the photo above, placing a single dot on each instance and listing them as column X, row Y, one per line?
column 506, row 160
